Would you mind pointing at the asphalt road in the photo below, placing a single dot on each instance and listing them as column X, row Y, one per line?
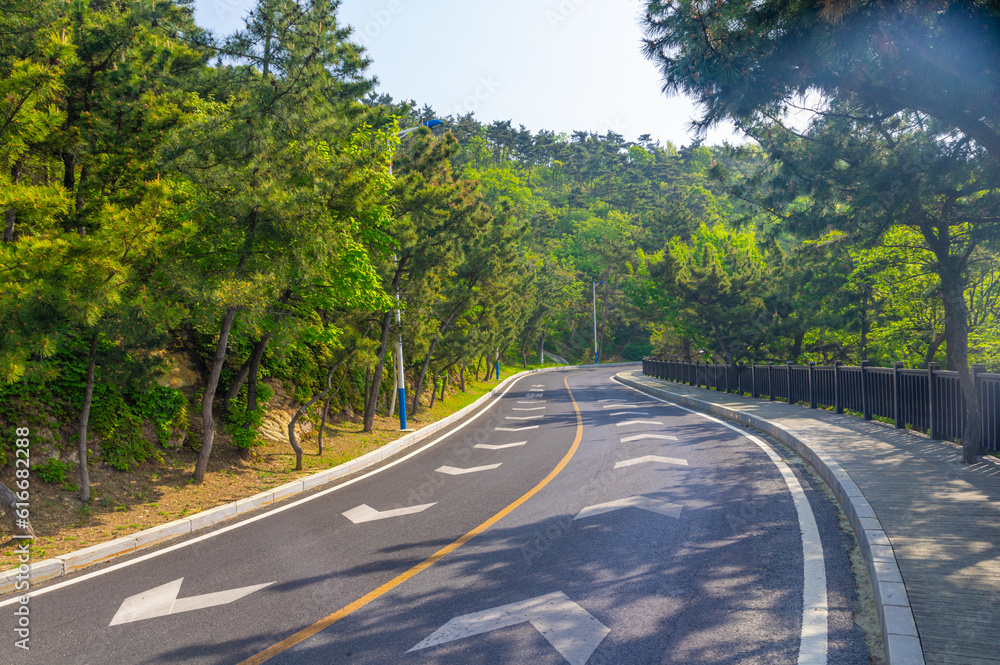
column 579, row 540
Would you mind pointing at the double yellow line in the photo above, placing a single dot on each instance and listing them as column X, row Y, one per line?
column 328, row 621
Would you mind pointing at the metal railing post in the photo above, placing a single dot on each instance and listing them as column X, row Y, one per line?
column 770, row 379
column 788, row 381
column 812, row 385
column 838, row 403
column 865, row 406
column 933, row 409
column 897, row 399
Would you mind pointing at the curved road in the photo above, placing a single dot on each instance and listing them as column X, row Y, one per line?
column 572, row 519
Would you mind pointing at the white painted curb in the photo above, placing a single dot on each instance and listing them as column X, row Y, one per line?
column 899, row 630
column 74, row 561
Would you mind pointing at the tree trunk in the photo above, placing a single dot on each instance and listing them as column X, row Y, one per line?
column 932, row 349
column 9, row 501
column 372, row 402
column 447, row 379
column 78, row 206
column 11, row 216
column 864, row 323
column 461, row 378
column 292, row 438
column 208, row 422
column 88, row 396
column 434, row 390
column 720, row 340
column 236, row 384
column 604, row 318
column 368, row 386
column 322, row 424
column 541, row 342
column 524, row 350
column 244, row 371
column 252, row 371
column 956, row 329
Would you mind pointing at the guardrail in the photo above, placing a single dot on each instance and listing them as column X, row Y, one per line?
column 929, row 400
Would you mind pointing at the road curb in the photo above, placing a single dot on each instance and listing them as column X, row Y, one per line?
column 899, row 632
column 72, row 562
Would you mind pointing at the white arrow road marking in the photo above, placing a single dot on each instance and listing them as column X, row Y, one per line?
column 162, row 601
column 534, row 408
column 455, row 471
column 619, row 406
column 640, row 437
column 651, row 458
column 639, row 422
column 644, row 502
column 523, row 417
column 515, row 429
column 365, row 513
column 572, row 630
column 629, row 413
column 489, row 446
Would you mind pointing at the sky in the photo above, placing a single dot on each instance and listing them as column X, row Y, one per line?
column 560, row 65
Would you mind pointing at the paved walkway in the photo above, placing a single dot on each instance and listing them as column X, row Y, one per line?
column 942, row 518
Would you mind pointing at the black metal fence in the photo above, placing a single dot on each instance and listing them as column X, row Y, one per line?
column 929, row 400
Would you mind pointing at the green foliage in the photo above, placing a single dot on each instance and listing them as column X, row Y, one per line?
column 53, row 470
column 165, row 408
column 119, row 429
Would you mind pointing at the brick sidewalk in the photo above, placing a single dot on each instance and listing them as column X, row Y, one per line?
column 942, row 519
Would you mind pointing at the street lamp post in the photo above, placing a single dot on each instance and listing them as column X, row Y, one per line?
column 400, row 378
column 596, row 284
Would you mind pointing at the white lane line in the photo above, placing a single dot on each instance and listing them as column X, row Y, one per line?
column 629, row 413
column 534, row 408
column 643, row 502
column 813, row 642
column 515, row 429
column 569, row 628
column 617, row 399
column 638, row 422
column 619, row 406
column 532, row 401
column 640, row 437
column 646, row 459
column 500, row 446
column 365, row 513
column 535, row 417
column 455, row 471
column 264, row 515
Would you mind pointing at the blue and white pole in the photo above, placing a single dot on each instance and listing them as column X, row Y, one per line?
column 400, row 377
column 498, row 363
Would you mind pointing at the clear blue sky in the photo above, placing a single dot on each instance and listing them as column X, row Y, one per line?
column 561, row 65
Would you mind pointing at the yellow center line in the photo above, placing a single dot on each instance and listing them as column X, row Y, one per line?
column 328, row 621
